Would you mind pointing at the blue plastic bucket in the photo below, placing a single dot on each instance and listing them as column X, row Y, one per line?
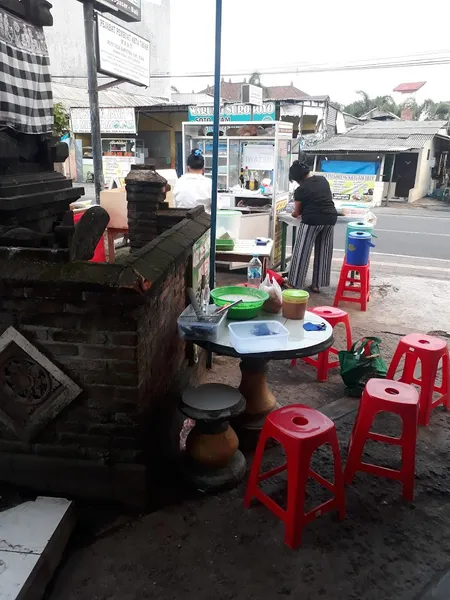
column 358, row 248
column 358, row 226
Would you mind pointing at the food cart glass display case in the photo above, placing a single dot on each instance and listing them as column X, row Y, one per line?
column 254, row 161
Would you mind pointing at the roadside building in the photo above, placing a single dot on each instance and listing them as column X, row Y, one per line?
column 384, row 160
column 135, row 129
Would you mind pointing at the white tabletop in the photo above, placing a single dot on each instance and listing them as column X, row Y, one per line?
column 299, row 338
column 285, row 217
column 249, row 248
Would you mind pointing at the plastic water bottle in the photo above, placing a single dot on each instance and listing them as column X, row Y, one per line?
column 254, row 272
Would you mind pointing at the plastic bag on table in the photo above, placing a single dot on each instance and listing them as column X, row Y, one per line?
column 369, row 217
column 273, row 304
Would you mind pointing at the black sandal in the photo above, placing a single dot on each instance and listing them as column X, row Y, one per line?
column 313, row 290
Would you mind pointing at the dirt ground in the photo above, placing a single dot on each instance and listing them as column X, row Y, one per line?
column 205, row 547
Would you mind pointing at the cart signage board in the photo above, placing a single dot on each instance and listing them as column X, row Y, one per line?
column 127, row 10
column 122, row 53
column 200, row 263
column 260, row 157
column 112, row 120
column 233, row 112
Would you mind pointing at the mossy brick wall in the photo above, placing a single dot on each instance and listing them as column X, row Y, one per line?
column 113, row 330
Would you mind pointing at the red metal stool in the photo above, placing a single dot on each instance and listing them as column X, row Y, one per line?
column 430, row 351
column 350, row 284
column 384, row 395
column 300, row 430
column 334, row 316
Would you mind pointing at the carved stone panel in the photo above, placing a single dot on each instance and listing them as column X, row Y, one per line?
column 33, row 391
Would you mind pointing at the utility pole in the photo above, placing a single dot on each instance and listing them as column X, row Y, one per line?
column 215, row 153
column 89, row 32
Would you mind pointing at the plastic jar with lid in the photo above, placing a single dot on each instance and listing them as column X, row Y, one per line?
column 295, row 303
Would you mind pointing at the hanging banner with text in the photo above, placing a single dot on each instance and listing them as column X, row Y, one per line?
column 112, row 120
column 354, row 188
column 121, row 53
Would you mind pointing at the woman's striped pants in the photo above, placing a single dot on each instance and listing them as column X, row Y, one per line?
column 321, row 238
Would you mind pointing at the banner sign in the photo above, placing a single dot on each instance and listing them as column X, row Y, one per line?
column 112, row 120
column 122, row 53
column 355, row 188
column 233, row 112
column 127, row 10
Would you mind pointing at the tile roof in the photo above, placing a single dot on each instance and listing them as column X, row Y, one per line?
column 231, row 91
column 384, row 136
column 409, row 87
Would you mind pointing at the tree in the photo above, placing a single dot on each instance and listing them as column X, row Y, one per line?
column 366, row 103
column 60, row 120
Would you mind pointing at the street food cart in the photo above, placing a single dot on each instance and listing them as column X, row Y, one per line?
column 254, row 160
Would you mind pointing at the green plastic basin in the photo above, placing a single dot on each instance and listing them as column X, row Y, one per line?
column 249, row 308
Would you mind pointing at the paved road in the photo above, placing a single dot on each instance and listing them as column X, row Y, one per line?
column 409, row 241
column 421, row 235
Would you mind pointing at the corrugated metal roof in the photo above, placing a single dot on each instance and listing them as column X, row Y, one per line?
column 386, row 136
column 71, row 96
column 344, row 143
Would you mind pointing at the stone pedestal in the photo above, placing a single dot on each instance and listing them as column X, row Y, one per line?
column 213, row 461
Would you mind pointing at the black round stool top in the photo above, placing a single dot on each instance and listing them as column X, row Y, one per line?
column 212, row 402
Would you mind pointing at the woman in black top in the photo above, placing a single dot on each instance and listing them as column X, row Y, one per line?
column 314, row 204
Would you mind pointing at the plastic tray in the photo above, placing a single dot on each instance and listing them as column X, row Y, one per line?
column 191, row 328
column 245, row 340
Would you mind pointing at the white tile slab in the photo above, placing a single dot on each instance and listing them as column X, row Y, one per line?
column 29, row 526
column 33, row 536
column 15, row 570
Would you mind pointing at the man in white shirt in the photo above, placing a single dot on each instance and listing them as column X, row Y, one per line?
column 193, row 188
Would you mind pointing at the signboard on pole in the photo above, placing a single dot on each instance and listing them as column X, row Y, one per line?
column 251, row 94
column 121, row 53
column 112, row 120
column 126, row 10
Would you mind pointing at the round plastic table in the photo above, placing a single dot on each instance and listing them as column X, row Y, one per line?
column 260, row 400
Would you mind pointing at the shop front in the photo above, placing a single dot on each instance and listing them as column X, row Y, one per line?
column 120, row 144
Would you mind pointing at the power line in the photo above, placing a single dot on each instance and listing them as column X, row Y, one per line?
column 420, row 60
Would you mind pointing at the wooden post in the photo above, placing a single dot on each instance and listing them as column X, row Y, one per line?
column 381, row 172
column 388, row 196
column 315, row 163
column 173, row 148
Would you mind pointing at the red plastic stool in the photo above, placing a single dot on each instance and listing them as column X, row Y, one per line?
column 300, row 430
column 430, row 351
column 350, row 284
column 384, row 395
column 334, row 316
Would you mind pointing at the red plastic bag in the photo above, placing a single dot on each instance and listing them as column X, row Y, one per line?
column 274, row 275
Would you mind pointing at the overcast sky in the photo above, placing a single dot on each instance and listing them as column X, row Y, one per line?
column 272, row 33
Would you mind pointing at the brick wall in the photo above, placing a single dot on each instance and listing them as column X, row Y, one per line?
column 113, row 330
